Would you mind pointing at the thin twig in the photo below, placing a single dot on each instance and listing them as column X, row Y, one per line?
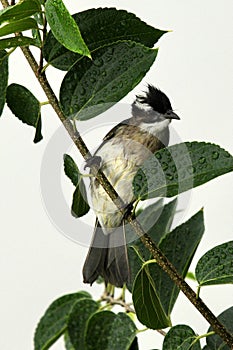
column 111, row 301
column 145, row 238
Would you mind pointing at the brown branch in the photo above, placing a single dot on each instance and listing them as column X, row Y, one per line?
column 161, row 259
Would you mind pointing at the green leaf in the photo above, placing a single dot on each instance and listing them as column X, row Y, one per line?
column 191, row 276
column 64, row 27
column 113, row 25
column 156, row 221
column 214, row 342
column 22, row 10
column 71, row 169
column 91, row 87
column 108, row 331
column 135, row 262
column 54, row 322
column 18, row 26
column 164, row 222
column 17, row 41
column 78, row 318
column 148, row 307
column 150, row 215
column 181, row 337
column 4, row 78
column 216, row 266
column 80, row 204
column 180, row 167
column 25, row 106
column 179, row 247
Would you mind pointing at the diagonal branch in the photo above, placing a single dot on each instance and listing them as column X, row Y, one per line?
column 161, row 259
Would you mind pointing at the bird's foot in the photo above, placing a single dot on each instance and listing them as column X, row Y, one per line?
column 95, row 160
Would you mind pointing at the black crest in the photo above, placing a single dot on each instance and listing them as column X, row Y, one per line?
column 156, row 99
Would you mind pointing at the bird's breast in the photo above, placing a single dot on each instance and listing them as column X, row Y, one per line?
column 122, row 155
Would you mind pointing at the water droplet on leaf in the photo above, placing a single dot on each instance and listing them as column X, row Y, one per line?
column 202, row 160
column 170, row 177
column 215, row 155
column 164, row 166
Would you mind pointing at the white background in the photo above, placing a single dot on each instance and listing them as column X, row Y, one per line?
column 38, row 263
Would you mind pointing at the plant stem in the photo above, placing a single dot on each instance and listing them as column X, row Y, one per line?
column 161, row 259
column 44, row 103
column 204, row 335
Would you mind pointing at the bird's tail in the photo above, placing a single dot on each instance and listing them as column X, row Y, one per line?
column 107, row 257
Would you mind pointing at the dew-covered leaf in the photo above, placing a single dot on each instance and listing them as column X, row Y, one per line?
column 17, row 41
column 109, row 331
column 181, row 337
column 180, row 167
column 64, row 27
column 18, row 26
column 92, row 86
column 216, row 266
column 179, row 247
column 113, row 25
column 148, row 307
column 77, row 322
column 54, row 322
column 22, row 10
column 25, row 106
column 4, row 78
column 214, row 342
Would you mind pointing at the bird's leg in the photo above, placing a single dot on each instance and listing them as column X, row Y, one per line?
column 95, row 160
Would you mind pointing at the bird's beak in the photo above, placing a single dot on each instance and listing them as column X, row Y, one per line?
column 171, row 115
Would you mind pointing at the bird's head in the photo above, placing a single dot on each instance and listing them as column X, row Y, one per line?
column 153, row 107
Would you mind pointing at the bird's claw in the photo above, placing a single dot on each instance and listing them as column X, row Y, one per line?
column 95, row 160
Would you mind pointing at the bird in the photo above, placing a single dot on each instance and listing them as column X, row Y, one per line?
column 123, row 150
